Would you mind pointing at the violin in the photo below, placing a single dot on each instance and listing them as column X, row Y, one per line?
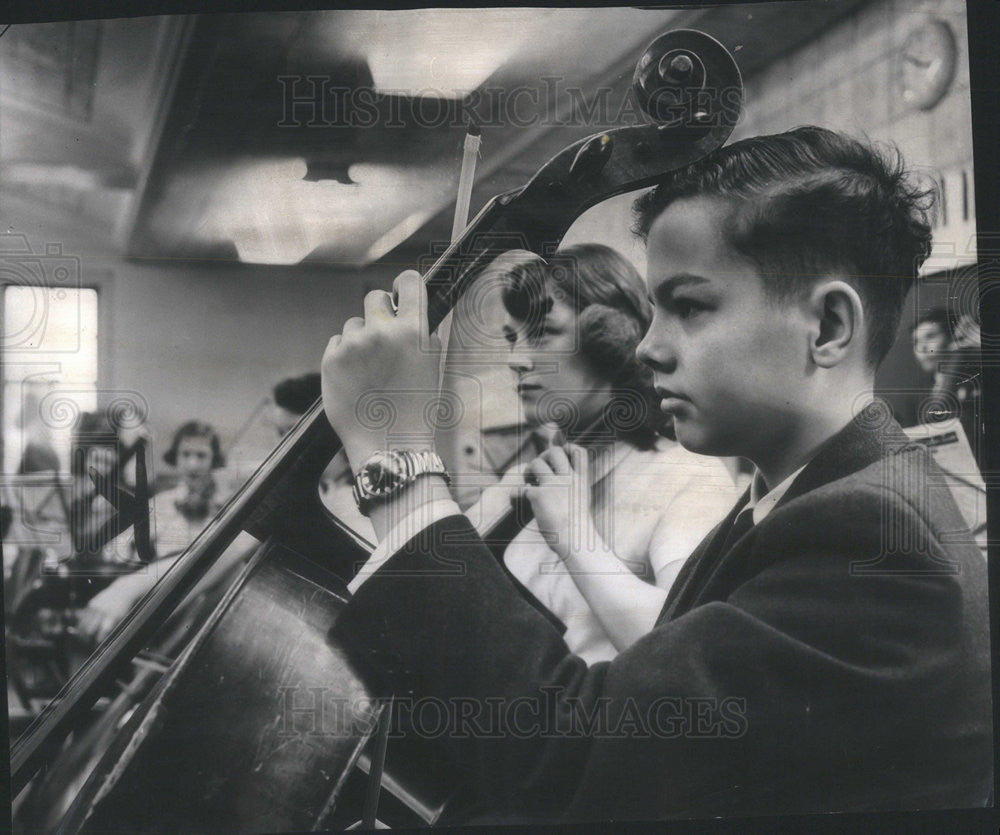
column 261, row 723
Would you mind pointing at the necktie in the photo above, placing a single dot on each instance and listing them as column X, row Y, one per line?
column 742, row 524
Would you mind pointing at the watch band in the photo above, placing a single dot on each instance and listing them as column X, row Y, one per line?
column 387, row 472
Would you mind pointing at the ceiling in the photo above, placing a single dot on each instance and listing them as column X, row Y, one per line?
column 177, row 137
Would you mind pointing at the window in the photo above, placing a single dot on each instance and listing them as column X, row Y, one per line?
column 49, row 370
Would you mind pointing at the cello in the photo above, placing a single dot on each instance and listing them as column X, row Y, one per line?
column 261, row 724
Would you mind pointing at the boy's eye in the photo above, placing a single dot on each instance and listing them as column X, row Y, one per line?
column 511, row 338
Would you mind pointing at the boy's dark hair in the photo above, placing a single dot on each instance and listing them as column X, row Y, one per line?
column 196, row 429
column 613, row 314
column 297, row 394
column 810, row 202
column 938, row 316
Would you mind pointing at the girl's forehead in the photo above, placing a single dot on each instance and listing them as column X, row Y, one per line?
column 195, row 440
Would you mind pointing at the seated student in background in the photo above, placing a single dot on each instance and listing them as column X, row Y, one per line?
column 931, row 339
column 182, row 512
column 948, row 352
column 573, row 325
column 178, row 516
column 38, row 454
column 827, row 646
column 291, row 398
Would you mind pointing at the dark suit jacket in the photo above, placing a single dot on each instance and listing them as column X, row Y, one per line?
column 836, row 657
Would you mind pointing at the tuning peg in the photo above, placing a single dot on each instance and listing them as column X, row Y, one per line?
column 673, row 70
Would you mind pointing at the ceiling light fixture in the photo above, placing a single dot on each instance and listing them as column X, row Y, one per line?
column 274, row 216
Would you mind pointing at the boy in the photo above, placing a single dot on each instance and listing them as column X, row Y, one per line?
column 955, row 366
column 931, row 338
column 826, row 647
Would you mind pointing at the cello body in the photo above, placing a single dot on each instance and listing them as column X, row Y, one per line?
column 261, row 724
column 263, row 653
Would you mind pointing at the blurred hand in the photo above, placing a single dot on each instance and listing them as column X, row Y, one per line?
column 107, row 608
column 558, row 487
column 380, row 375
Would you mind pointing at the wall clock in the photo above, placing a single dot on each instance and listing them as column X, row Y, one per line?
column 925, row 65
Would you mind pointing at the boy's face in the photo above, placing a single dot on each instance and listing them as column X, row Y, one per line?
column 929, row 340
column 730, row 364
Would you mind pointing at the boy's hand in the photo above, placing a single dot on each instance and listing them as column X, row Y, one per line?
column 380, row 375
column 559, row 492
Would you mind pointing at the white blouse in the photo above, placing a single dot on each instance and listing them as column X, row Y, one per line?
column 653, row 507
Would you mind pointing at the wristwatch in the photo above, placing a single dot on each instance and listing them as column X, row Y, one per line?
column 388, row 471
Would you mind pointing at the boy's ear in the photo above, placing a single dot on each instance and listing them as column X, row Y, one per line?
column 839, row 322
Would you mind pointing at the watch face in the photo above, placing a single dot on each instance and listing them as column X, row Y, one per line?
column 926, row 64
column 381, row 473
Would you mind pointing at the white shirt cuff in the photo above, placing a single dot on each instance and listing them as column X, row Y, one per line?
column 408, row 527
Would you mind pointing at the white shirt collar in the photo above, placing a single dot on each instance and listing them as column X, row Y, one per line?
column 763, row 505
